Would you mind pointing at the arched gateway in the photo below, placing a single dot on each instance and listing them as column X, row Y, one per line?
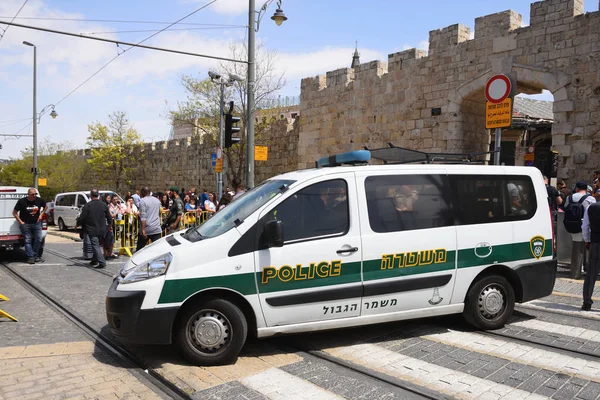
column 435, row 101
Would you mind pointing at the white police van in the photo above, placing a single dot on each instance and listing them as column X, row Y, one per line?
column 337, row 247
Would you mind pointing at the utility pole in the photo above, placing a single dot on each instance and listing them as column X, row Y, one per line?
column 221, row 112
column 250, row 103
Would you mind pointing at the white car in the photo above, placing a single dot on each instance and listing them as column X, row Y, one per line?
column 67, row 206
column 10, row 232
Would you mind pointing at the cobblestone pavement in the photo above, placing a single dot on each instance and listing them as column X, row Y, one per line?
column 44, row 356
column 440, row 354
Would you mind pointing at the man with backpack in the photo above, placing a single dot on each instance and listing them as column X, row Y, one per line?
column 575, row 207
column 591, row 236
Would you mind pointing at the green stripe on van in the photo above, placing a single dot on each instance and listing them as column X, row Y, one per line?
column 177, row 290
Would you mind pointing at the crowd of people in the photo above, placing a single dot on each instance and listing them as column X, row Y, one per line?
column 146, row 216
column 580, row 207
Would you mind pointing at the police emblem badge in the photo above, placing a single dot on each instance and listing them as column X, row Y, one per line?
column 537, row 244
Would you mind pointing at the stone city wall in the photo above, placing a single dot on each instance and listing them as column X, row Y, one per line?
column 187, row 162
column 380, row 102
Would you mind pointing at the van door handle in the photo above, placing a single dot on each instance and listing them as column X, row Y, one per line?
column 349, row 250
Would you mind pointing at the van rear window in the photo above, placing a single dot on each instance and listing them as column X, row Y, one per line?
column 486, row 199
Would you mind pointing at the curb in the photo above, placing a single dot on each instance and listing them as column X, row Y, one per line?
column 62, row 235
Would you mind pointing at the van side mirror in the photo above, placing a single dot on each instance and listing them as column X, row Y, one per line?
column 273, row 234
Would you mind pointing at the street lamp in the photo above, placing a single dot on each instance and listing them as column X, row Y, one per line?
column 278, row 17
column 217, row 78
column 36, row 117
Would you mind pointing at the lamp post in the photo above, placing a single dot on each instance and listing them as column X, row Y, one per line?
column 278, row 17
column 223, row 83
column 36, row 118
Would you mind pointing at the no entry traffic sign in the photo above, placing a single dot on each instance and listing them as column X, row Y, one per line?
column 497, row 89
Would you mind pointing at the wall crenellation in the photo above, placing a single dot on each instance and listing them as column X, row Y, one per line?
column 435, row 101
column 497, row 24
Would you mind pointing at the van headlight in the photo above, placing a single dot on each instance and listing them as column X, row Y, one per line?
column 150, row 269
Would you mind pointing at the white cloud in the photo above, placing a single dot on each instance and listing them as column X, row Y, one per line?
column 232, row 7
column 302, row 65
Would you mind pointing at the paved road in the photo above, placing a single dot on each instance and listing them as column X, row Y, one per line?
column 441, row 354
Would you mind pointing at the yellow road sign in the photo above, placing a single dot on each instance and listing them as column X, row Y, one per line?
column 219, row 165
column 261, row 153
column 498, row 115
column 42, row 181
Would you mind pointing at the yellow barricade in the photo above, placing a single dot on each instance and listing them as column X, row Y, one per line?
column 4, row 314
column 126, row 230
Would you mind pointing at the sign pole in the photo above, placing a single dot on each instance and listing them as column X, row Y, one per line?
column 497, row 146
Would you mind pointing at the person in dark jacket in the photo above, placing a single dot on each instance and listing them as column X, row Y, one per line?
column 94, row 218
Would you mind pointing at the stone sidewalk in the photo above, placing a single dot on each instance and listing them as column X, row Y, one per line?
column 44, row 356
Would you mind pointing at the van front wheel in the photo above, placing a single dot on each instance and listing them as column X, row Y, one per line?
column 211, row 332
column 490, row 303
column 61, row 225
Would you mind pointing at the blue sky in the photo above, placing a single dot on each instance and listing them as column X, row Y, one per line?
column 319, row 36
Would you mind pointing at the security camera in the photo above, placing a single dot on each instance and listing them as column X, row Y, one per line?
column 214, row 75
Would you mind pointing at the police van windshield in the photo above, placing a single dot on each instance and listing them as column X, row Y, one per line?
column 238, row 210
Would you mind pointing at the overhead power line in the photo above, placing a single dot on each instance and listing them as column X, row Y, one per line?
column 155, row 30
column 125, row 21
column 13, row 18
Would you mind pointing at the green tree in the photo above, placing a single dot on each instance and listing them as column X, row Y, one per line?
column 59, row 163
column 111, row 149
column 200, row 110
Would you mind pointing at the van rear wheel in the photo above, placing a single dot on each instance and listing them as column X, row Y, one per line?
column 211, row 332
column 490, row 303
column 61, row 225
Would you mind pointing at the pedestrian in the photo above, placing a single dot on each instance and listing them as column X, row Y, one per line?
column 203, row 198
column 238, row 188
column 94, row 219
column 564, row 192
column 175, row 211
column 149, row 218
column 590, row 230
column 136, row 198
column 226, row 199
column 575, row 207
column 554, row 199
column 28, row 212
column 210, row 205
column 116, row 210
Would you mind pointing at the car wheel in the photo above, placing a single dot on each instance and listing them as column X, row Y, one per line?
column 211, row 332
column 490, row 303
column 61, row 225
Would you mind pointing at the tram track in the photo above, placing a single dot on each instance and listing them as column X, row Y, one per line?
column 80, row 263
column 169, row 388
column 372, row 374
column 145, row 374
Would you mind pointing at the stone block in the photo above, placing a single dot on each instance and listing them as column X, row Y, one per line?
column 582, row 146
column 564, row 150
column 562, row 106
column 504, row 43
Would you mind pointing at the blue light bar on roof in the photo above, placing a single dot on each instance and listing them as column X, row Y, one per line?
column 351, row 157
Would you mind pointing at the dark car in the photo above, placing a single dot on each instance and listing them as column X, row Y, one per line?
column 50, row 212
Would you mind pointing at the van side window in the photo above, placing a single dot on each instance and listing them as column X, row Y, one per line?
column 408, row 202
column 67, row 200
column 486, row 199
column 318, row 210
column 80, row 201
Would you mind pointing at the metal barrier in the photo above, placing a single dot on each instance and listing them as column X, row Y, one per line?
column 564, row 243
column 126, row 230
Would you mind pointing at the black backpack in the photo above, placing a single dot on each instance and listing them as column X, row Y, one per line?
column 574, row 214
